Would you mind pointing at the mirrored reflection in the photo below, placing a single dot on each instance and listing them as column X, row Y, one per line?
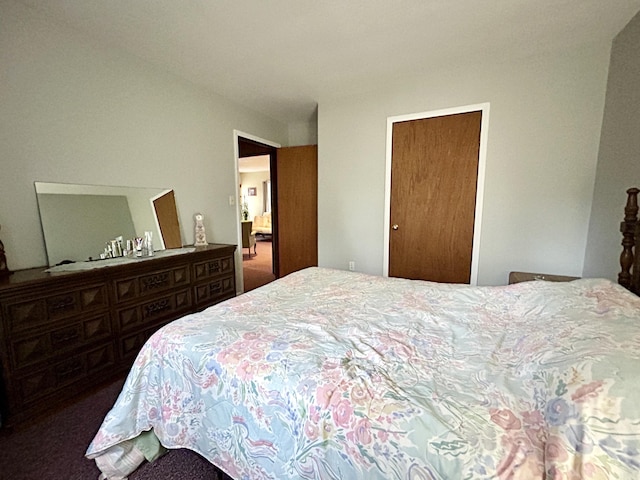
column 78, row 221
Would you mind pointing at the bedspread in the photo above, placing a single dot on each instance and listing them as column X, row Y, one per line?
column 327, row 374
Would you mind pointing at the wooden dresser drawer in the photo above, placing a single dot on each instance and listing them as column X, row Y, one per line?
column 132, row 288
column 39, row 311
column 38, row 347
column 213, row 268
column 170, row 305
column 56, row 376
column 211, row 292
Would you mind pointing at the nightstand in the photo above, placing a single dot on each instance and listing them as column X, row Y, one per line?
column 517, row 277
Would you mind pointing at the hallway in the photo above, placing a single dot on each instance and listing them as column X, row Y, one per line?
column 257, row 269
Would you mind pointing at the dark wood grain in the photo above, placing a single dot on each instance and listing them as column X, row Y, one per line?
column 297, row 234
column 629, row 276
column 434, row 174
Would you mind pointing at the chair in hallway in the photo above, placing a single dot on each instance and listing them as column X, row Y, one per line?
column 248, row 237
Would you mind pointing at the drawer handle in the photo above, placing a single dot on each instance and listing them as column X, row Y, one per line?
column 157, row 307
column 69, row 368
column 215, row 287
column 155, row 281
column 63, row 337
column 62, row 304
column 214, row 267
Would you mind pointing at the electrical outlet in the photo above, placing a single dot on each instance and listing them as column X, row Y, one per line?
column 352, row 265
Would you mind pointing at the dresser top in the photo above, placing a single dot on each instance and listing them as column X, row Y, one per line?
column 38, row 274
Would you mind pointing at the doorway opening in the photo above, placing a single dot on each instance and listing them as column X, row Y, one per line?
column 257, row 210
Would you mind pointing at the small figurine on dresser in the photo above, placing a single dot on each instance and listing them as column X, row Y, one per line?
column 4, row 269
column 200, row 235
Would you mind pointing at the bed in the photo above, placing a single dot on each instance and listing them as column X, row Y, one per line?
column 629, row 276
column 326, row 374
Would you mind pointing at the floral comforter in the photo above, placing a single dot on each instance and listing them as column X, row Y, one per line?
column 327, row 374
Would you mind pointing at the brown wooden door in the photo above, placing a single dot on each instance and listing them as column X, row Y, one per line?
column 434, row 173
column 297, row 208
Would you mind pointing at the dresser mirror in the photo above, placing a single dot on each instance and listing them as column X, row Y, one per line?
column 78, row 220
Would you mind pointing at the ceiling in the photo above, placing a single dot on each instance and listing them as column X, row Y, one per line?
column 281, row 57
column 259, row 163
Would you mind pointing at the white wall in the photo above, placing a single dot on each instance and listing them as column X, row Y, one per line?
column 75, row 111
column 544, row 130
column 255, row 180
column 304, row 133
column 619, row 157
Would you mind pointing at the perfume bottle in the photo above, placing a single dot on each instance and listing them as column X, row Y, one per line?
column 148, row 243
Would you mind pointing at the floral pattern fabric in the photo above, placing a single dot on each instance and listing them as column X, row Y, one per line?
column 327, row 374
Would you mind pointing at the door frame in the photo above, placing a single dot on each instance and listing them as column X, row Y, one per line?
column 236, row 155
column 482, row 160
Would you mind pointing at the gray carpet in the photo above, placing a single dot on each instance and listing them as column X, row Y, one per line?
column 54, row 448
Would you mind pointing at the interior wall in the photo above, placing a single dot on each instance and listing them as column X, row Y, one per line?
column 255, row 180
column 75, row 111
column 619, row 156
column 543, row 133
column 304, row 133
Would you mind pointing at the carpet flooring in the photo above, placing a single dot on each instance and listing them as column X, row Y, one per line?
column 54, row 448
column 257, row 269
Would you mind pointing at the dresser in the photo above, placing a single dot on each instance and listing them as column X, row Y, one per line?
column 63, row 334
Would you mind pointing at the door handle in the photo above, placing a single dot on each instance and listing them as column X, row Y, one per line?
column 394, row 226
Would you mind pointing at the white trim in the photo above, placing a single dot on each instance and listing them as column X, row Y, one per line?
column 482, row 160
column 236, row 155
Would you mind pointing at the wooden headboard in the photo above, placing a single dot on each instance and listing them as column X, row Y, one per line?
column 629, row 277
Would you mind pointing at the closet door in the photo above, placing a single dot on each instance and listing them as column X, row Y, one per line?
column 434, row 173
column 297, row 208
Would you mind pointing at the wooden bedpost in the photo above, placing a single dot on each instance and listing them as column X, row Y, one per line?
column 628, row 228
